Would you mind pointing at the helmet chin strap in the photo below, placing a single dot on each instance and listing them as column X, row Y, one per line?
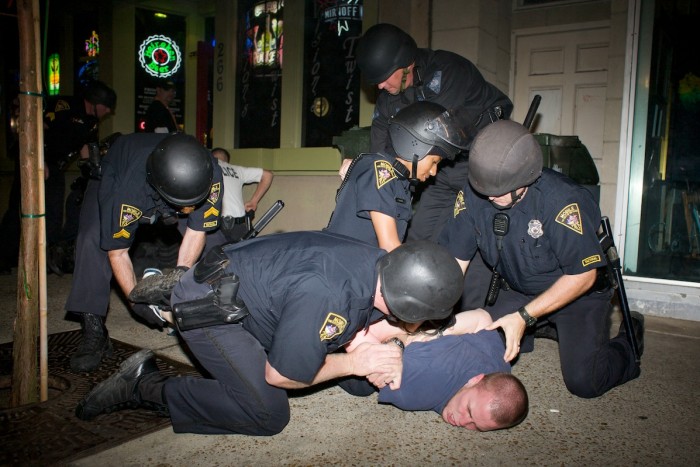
column 404, row 172
column 514, row 198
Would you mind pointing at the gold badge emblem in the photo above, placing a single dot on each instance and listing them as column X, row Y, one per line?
column 129, row 215
column 383, row 172
column 570, row 217
column 210, row 224
column 591, row 260
column 214, row 193
column 460, row 204
column 332, row 327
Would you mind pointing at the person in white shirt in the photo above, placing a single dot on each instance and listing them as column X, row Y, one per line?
column 234, row 217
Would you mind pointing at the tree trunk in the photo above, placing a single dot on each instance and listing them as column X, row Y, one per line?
column 31, row 160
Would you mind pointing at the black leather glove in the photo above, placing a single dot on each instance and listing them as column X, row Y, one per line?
column 149, row 314
column 156, row 289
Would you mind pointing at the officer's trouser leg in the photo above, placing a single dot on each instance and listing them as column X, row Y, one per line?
column 591, row 362
column 91, row 285
column 238, row 399
column 437, row 201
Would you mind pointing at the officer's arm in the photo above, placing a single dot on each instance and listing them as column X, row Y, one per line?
column 386, row 230
column 564, row 291
column 192, row 246
column 123, row 269
column 260, row 190
column 384, row 361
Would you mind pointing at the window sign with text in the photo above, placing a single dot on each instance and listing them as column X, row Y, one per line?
column 331, row 76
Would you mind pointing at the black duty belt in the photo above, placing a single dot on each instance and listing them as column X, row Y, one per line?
column 235, row 220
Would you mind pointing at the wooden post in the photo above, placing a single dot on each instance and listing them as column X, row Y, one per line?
column 31, row 160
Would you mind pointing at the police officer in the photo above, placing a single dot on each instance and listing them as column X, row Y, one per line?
column 307, row 293
column 144, row 177
column 374, row 201
column 537, row 229
column 390, row 59
column 70, row 123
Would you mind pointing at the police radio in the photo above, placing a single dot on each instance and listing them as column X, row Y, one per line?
column 501, row 222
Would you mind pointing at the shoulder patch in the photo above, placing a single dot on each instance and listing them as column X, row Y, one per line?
column 383, row 173
column 570, row 217
column 129, row 215
column 333, row 326
column 61, row 105
column 591, row 260
column 214, row 193
column 460, row 204
column 436, row 82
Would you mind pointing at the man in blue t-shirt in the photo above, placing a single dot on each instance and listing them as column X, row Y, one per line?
column 461, row 375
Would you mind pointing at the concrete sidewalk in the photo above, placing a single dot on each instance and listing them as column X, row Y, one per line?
column 654, row 420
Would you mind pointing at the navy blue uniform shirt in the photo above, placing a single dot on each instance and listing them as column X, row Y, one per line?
column 307, row 293
column 371, row 185
column 552, row 232
column 125, row 195
column 449, row 80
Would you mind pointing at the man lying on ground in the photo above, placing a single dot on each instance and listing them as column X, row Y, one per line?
column 459, row 373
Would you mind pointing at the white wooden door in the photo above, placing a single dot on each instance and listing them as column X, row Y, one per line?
column 569, row 70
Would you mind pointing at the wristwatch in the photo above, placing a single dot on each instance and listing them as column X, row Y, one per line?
column 529, row 320
column 395, row 340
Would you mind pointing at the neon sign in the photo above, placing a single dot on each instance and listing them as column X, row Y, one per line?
column 92, row 45
column 54, row 72
column 160, row 56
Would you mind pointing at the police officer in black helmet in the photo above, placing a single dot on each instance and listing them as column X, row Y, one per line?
column 404, row 73
column 144, row 177
column 307, row 294
column 537, row 229
column 374, row 201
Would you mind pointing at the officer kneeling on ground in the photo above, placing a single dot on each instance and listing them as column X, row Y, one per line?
column 144, row 177
column 537, row 229
column 297, row 299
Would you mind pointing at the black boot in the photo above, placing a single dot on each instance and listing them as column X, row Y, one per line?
column 94, row 345
column 137, row 383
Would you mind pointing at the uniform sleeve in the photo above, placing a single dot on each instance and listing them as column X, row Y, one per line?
column 206, row 217
column 249, row 174
column 459, row 235
column 574, row 237
column 311, row 326
column 377, row 188
column 120, row 209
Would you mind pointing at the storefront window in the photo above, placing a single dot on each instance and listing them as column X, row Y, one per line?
column 259, row 80
column 331, row 75
column 663, row 223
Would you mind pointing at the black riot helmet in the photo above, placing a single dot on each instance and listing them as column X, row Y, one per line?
column 424, row 128
column 504, row 157
column 420, row 281
column 181, row 170
column 383, row 49
column 97, row 92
